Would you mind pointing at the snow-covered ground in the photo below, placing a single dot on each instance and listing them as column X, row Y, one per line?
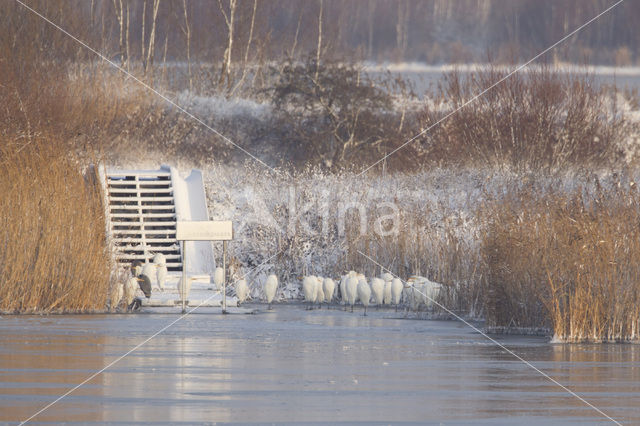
column 311, row 221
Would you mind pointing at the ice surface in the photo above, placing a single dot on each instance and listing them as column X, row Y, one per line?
column 293, row 366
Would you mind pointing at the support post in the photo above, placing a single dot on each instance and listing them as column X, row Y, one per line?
column 224, row 277
column 184, row 275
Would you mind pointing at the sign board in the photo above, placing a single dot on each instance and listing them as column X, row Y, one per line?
column 206, row 230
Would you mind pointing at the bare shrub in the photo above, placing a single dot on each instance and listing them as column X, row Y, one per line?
column 337, row 116
column 536, row 119
column 53, row 254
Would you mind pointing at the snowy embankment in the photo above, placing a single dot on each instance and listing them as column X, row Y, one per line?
column 314, row 222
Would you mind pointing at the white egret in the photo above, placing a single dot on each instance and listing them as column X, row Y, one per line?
column 431, row 293
column 161, row 269
column 364, row 294
column 270, row 287
column 396, row 291
column 387, row 293
column 149, row 270
column 184, row 288
column 424, row 292
column 242, row 290
column 377, row 288
column 386, row 276
column 218, row 278
column 343, row 291
column 328, row 287
column 351, row 291
column 309, row 289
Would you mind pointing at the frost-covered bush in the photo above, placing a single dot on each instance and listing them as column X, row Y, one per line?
column 469, row 229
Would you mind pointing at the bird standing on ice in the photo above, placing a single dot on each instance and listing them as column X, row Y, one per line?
column 377, row 288
column 396, row 291
column 364, row 294
column 387, row 293
column 242, row 290
column 218, row 278
column 270, row 287
column 343, row 289
column 161, row 269
column 148, row 270
column 328, row 287
column 351, row 291
column 309, row 289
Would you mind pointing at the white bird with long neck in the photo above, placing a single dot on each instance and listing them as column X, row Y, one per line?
column 386, row 276
column 364, row 294
column 328, row 287
column 387, row 293
column 309, row 289
column 343, row 289
column 218, row 278
column 242, row 290
column 351, row 291
column 160, row 261
column 270, row 288
column 377, row 288
column 396, row 291
column 149, row 269
column 184, row 288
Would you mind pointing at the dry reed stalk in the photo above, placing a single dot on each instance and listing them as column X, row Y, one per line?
column 578, row 258
column 53, row 254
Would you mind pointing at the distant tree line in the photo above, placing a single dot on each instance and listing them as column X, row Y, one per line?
column 233, row 32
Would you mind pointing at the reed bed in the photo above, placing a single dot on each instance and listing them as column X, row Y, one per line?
column 569, row 261
column 53, row 256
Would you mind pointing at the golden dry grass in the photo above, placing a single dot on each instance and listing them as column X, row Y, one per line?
column 567, row 261
column 53, row 254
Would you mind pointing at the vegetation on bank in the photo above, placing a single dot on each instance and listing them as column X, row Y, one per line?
column 521, row 250
column 569, row 261
column 525, row 246
column 53, row 255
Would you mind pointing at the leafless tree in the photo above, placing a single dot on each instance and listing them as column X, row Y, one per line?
column 229, row 19
column 152, row 38
column 186, row 29
column 246, row 52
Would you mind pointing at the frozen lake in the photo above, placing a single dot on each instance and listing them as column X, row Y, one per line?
column 294, row 366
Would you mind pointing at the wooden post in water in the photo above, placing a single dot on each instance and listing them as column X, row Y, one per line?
column 224, row 277
column 184, row 275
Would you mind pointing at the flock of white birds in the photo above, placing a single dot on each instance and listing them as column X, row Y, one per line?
column 353, row 287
